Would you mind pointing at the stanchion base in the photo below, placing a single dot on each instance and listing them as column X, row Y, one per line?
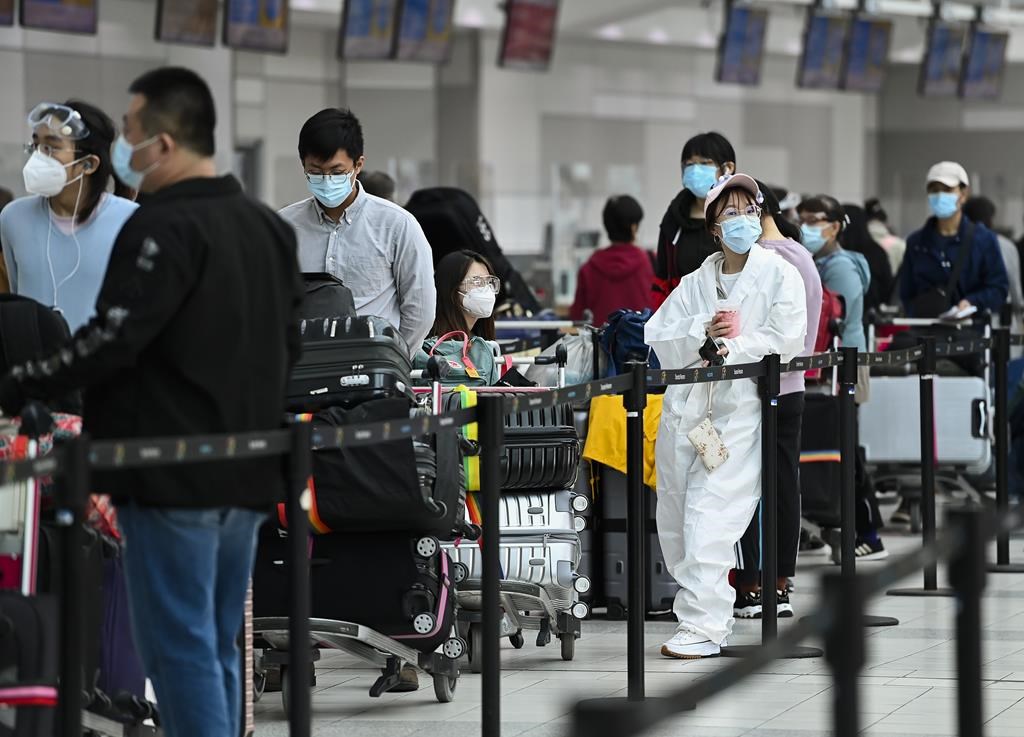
column 871, row 620
column 794, row 653
column 921, row 592
column 613, row 715
column 1006, row 568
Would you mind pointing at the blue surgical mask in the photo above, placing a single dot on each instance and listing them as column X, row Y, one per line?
column 330, row 189
column 812, row 237
column 121, row 159
column 944, row 204
column 699, row 179
column 740, row 233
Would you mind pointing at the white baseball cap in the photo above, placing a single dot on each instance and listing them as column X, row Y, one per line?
column 733, row 181
column 949, row 173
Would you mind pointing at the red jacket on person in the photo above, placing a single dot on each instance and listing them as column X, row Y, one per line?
column 614, row 278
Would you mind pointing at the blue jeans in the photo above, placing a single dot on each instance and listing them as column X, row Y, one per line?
column 187, row 573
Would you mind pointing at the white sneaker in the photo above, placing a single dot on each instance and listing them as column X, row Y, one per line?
column 689, row 645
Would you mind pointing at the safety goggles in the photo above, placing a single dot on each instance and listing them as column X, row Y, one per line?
column 475, row 282
column 61, row 119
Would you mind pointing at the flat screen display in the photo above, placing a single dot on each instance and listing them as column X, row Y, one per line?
column 256, row 25
column 6, row 12
column 72, row 16
column 821, row 62
column 368, row 29
column 425, row 30
column 943, row 59
column 867, row 52
column 187, row 21
column 984, row 64
column 529, row 38
column 741, row 49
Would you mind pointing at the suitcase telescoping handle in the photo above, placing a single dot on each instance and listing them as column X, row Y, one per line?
column 560, row 359
column 36, row 421
column 435, row 371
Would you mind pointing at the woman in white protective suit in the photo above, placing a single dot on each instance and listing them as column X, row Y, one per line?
column 752, row 303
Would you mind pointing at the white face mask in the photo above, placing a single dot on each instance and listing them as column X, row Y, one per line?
column 46, row 176
column 479, row 302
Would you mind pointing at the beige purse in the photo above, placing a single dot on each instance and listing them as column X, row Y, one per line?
column 706, row 440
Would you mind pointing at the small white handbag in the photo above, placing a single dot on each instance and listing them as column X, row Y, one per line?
column 706, row 440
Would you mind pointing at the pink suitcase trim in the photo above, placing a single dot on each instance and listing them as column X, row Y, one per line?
column 442, row 604
column 28, row 696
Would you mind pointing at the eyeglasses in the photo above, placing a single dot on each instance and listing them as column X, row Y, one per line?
column 493, row 282
column 46, row 149
column 731, row 213
column 328, row 178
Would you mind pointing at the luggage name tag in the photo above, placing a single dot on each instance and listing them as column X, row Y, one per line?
column 471, row 371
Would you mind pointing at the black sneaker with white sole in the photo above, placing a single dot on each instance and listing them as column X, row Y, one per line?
column 870, row 550
column 782, row 605
column 747, row 606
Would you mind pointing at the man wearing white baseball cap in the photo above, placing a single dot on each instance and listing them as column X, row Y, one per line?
column 951, row 262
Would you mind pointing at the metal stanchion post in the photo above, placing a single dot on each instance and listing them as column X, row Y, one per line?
column 926, row 380
column 72, row 492
column 844, row 649
column 636, row 517
column 491, row 414
column 1000, row 361
column 300, row 661
column 848, row 493
column 769, row 516
column 967, row 575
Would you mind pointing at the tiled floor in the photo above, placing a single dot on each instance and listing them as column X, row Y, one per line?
column 908, row 686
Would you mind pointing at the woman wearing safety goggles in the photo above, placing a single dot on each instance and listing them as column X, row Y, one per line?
column 57, row 241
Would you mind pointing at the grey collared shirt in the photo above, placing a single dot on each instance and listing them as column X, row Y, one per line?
column 379, row 251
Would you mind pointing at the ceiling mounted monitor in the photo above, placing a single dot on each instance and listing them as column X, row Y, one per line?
column 6, row 12
column 867, row 53
column 369, row 29
column 69, row 16
column 984, row 64
column 256, row 25
column 528, row 41
column 821, row 63
column 943, row 59
column 741, row 48
column 187, row 21
column 425, row 30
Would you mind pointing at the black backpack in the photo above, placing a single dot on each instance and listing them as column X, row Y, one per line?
column 30, row 331
column 326, row 296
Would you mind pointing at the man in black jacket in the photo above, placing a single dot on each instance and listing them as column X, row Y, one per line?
column 195, row 332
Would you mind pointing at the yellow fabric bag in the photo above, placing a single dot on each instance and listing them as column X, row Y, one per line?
column 606, row 434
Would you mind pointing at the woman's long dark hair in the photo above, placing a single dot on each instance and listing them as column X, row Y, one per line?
column 448, row 277
column 102, row 133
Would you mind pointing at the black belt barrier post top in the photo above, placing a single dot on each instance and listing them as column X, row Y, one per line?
column 72, row 493
column 1000, row 371
column 635, row 400
column 300, row 661
column 926, row 382
column 492, row 435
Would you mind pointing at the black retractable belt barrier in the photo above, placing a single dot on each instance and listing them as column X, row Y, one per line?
column 967, row 575
column 926, row 381
column 844, row 650
column 769, row 517
column 848, row 495
column 491, row 415
column 1000, row 361
column 72, row 493
column 635, row 400
column 297, row 499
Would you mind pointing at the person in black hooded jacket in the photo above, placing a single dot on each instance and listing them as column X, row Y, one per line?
column 683, row 240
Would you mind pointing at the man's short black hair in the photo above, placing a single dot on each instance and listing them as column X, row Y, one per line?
column 330, row 131
column 378, row 183
column 179, row 103
column 980, row 210
column 621, row 213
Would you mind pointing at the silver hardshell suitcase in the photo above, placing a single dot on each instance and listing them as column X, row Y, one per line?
column 531, row 512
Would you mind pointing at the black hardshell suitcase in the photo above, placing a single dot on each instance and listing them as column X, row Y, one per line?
column 451, row 220
column 348, row 361
column 820, row 474
column 536, row 459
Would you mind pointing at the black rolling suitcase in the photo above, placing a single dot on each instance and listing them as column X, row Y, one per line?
column 451, row 219
column 820, row 475
column 399, row 485
column 346, row 362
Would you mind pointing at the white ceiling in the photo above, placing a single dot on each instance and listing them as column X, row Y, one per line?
column 693, row 22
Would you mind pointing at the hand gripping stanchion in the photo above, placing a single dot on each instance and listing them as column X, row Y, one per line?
column 847, row 470
column 967, row 576
column 635, row 400
column 1000, row 361
column 926, row 381
column 300, row 462
column 844, row 650
column 72, row 492
column 769, row 517
column 491, row 415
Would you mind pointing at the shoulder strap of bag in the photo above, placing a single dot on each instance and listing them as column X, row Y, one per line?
column 471, row 369
column 961, row 259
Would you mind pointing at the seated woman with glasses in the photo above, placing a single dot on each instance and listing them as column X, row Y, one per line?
column 741, row 305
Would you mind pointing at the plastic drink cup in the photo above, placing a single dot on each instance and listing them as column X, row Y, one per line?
column 729, row 313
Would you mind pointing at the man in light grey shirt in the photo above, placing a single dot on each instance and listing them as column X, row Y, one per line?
column 374, row 246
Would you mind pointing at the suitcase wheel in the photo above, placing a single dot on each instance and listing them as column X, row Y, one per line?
column 454, row 648
column 444, row 688
column 461, row 572
column 568, row 643
column 427, row 547
column 517, row 640
column 423, row 624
